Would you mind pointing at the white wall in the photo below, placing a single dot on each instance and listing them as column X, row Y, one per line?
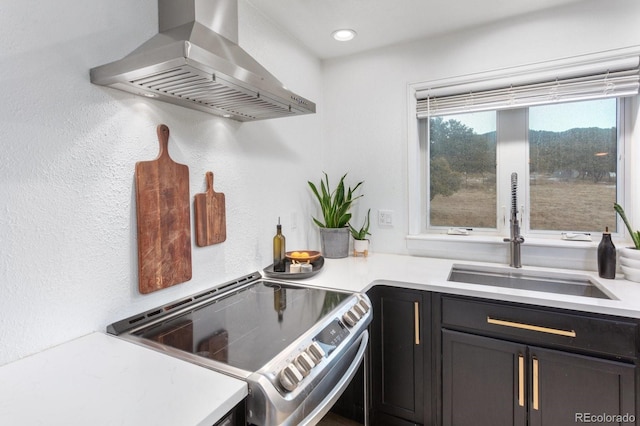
column 67, row 211
column 366, row 95
column 68, row 254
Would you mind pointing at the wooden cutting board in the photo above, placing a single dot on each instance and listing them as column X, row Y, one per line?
column 211, row 221
column 164, row 227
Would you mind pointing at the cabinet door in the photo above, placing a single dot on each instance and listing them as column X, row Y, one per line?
column 483, row 381
column 235, row 417
column 398, row 335
column 565, row 388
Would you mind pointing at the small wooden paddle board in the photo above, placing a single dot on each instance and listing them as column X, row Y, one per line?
column 211, row 221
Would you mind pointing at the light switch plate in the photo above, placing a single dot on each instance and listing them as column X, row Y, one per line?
column 385, row 217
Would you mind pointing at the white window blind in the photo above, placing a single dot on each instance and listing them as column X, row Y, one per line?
column 568, row 84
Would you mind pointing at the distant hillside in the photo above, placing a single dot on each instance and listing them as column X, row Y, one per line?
column 456, row 150
column 584, row 153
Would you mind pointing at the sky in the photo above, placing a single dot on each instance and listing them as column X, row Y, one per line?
column 553, row 117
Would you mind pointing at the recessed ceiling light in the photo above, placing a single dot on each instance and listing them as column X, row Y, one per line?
column 344, row 35
column 150, row 95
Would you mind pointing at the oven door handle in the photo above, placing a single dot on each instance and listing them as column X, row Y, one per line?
column 323, row 408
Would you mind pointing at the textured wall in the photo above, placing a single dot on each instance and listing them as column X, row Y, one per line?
column 68, row 259
column 67, row 211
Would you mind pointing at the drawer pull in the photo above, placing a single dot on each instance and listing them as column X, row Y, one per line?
column 536, row 389
column 521, row 380
column 570, row 333
column 416, row 321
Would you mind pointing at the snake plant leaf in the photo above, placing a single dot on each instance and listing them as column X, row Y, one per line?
column 635, row 235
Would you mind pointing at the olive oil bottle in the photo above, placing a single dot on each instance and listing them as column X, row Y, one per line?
column 279, row 248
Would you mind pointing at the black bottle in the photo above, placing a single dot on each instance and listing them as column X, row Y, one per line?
column 279, row 260
column 606, row 256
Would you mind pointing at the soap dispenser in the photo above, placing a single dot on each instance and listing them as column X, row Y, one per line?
column 606, row 256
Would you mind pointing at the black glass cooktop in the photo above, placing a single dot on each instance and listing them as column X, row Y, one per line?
column 249, row 326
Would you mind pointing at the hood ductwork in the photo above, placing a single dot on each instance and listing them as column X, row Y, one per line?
column 195, row 62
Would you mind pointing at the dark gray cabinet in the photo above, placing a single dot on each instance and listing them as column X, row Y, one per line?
column 491, row 382
column 235, row 417
column 569, row 387
column 481, row 380
column 438, row 359
column 588, row 367
column 400, row 358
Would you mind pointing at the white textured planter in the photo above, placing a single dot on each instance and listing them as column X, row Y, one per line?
column 360, row 247
column 630, row 263
column 630, row 253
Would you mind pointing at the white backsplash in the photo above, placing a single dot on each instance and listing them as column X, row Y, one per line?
column 67, row 209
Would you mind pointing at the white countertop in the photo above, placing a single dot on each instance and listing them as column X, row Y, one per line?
column 361, row 273
column 101, row 380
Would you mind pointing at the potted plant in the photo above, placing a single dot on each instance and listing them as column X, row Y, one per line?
column 335, row 205
column 629, row 256
column 360, row 240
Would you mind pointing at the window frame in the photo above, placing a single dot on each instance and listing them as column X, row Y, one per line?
column 513, row 124
column 416, row 156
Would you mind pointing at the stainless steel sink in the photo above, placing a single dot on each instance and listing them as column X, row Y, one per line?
column 547, row 282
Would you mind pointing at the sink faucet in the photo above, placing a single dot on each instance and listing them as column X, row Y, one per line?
column 515, row 239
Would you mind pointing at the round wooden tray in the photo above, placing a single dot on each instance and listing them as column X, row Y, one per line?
column 303, row 256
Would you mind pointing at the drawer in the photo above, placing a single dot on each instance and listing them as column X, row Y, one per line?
column 580, row 332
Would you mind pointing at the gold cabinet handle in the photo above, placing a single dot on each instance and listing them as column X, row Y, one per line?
column 558, row 332
column 536, row 388
column 416, row 321
column 521, row 380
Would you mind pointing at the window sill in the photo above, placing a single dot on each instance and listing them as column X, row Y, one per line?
column 550, row 253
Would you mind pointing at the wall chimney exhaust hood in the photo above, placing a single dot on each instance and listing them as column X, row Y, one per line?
column 195, row 62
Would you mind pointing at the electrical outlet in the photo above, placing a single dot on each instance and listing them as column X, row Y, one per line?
column 385, row 217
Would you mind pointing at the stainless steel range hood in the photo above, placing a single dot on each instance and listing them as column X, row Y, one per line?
column 195, row 62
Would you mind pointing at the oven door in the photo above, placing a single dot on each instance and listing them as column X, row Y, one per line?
column 332, row 397
column 310, row 404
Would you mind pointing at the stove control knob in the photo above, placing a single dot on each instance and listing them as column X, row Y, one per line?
column 290, row 377
column 304, row 364
column 350, row 318
column 315, row 352
column 359, row 309
column 355, row 313
column 364, row 305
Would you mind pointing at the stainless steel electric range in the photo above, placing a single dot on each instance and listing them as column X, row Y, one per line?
column 296, row 347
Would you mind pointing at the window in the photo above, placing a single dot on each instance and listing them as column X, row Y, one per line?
column 564, row 137
column 462, row 170
column 568, row 153
column 573, row 167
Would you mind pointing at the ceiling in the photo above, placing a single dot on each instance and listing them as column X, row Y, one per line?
column 386, row 22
